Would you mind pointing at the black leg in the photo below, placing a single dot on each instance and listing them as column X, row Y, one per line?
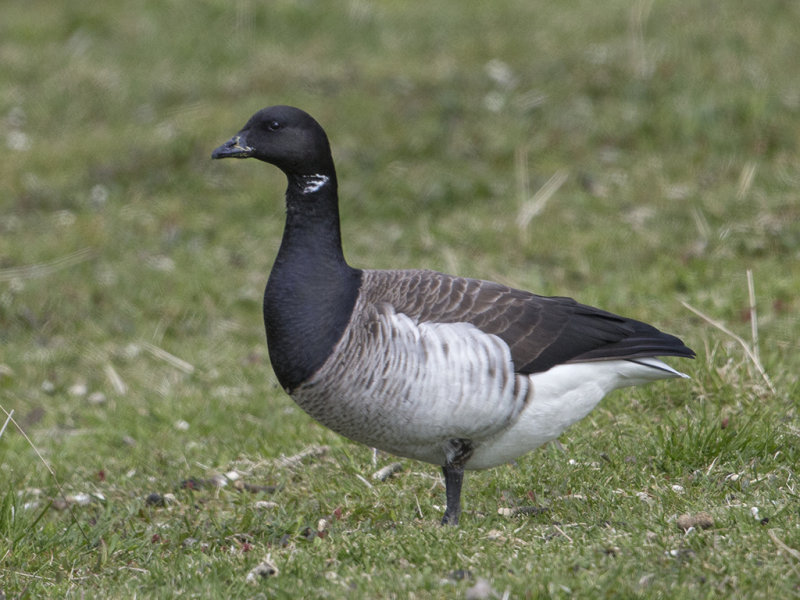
column 453, row 477
column 458, row 451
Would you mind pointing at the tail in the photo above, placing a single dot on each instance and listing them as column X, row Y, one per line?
column 654, row 363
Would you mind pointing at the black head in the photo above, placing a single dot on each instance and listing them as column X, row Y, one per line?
column 284, row 136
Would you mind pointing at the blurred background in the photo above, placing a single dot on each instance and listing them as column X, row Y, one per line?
column 633, row 155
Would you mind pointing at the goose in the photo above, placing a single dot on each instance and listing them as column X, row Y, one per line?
column 456, row 372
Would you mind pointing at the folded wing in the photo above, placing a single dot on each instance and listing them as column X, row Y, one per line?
column 540, row 331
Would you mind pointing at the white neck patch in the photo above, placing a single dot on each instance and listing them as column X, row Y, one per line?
column 313, row 183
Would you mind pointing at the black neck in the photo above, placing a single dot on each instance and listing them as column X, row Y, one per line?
column 311, row 290
column 312, row 221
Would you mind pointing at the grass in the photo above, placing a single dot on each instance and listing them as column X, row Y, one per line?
column 131, row 271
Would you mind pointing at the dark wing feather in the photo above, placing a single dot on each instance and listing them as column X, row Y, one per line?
column 541, row 331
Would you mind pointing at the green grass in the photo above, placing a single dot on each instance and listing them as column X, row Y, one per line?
column 677, row 125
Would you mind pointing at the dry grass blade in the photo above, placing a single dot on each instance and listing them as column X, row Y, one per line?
column 171, row 359
column 564, row 533
column 782, row 545
column 116, row 381
column 44, row 269
column 700, row 221
column 751, row 292
column 295, row 460
column 536, row 204
column 747, row 349
column 640, row 12
column 746, row 179
column 10, row 418
column 364, row 481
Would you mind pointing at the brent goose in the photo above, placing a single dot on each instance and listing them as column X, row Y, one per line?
column 457, row 372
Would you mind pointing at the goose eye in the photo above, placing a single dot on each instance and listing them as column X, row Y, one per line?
column 274, row 126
